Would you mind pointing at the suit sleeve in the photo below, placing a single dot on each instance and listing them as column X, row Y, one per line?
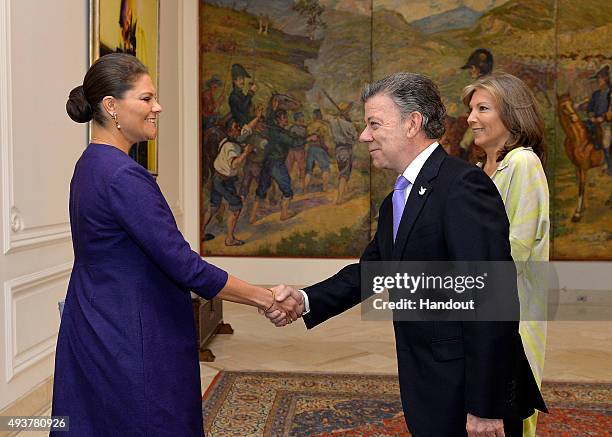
column 140, row 208
column 340, row 292
column 476, row 229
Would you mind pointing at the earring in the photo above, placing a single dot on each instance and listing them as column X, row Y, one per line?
column 114, row 115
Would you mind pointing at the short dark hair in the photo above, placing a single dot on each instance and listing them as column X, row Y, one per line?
column 317, row 114
column 111, row 75
column 412, row 92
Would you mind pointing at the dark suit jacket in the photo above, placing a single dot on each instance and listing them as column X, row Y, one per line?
column 446, row 369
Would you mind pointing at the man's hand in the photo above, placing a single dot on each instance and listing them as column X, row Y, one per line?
column 479, row 427
column 288, row 307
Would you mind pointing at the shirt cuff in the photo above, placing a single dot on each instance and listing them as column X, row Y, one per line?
column 306, row 303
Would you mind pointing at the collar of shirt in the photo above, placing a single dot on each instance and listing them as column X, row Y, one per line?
column 414, row 168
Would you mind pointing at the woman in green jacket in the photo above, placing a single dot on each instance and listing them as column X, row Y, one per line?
column 509, row 128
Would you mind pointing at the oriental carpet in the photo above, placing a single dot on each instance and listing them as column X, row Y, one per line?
column 330, row 405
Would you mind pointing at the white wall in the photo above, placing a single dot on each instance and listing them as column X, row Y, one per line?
column 41, row 59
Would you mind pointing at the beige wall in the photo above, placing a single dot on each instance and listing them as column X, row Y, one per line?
column 41, row 59
column 169, row 88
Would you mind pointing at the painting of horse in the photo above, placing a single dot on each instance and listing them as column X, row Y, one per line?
column 579, row 147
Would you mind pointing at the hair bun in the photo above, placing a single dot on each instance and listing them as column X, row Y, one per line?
column 77, row 106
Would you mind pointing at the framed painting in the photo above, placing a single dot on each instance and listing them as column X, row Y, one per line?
column 311, row 57
column 129, row 26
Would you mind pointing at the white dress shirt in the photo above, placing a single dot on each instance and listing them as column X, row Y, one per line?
column 414, row 168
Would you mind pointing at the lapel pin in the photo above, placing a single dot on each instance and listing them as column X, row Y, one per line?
column 422, row 191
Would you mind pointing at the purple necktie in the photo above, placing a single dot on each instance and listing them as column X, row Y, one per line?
column 399, row 202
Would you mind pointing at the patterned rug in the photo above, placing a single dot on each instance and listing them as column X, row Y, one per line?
column 330, row 405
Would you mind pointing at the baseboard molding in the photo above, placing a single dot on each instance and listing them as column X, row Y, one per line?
column 34, row 403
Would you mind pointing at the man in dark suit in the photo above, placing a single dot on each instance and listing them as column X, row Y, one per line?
column 456, row 378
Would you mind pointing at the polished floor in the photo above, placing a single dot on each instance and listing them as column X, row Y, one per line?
column 576, row 351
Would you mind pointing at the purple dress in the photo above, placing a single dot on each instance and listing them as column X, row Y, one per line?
column 127, row 360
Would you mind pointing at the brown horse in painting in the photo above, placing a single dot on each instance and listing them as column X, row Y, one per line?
column 579, row 147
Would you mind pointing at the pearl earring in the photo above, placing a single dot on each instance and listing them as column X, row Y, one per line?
column 114, row 115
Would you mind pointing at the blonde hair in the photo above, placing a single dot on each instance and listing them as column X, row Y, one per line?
column 518, row 111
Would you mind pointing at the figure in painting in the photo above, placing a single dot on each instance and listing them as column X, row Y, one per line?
column 479, row 63
column 297, row 154
column 344, row 135
column 318, row 149
column 579, row 148
column 254, row 161
column 240, row 103
column 210, row 103
column 599, row 123
column 280, row 140
column 230, row 158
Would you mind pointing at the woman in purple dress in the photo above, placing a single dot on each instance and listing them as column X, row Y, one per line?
column 127, row 360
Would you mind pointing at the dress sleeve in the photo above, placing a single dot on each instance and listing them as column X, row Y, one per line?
column 141, row 209
column 527, row 201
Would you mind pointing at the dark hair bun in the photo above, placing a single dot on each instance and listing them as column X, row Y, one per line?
column 77, row 106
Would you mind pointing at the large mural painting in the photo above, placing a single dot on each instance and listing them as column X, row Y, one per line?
column 312, row 57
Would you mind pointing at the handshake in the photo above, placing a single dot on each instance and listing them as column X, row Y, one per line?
column 287, row 307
